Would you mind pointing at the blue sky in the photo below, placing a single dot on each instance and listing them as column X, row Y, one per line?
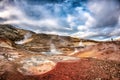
column 89, row 19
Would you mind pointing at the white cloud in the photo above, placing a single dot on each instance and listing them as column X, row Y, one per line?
column 101, row 21
column 98, row 19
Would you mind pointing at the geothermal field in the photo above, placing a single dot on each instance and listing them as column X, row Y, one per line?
column 59, row 39
column 25, row 55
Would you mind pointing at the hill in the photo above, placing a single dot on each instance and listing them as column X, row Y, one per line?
column 25, row 55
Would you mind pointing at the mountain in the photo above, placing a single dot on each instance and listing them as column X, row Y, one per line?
column 25, row 55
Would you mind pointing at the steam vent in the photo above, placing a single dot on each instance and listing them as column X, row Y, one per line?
column 25, row 55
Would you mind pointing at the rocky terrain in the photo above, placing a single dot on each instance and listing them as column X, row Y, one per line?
column 25, row 55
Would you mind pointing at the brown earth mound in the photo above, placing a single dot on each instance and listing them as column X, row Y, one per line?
column 103, row 50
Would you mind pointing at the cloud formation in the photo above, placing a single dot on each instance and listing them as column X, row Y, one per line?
column 91, row 19
column 102, row 19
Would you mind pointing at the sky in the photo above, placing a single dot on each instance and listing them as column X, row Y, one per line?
column 88, row 19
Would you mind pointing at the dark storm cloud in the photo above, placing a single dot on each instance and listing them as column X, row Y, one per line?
column 93, row 19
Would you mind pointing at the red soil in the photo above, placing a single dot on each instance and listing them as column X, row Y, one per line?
column 84, row 69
